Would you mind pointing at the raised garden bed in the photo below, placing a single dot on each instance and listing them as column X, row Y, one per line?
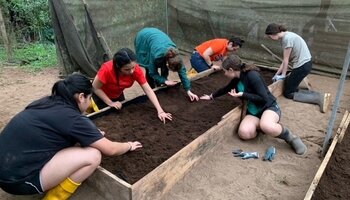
column 169, row 150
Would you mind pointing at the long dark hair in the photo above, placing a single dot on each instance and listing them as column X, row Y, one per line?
column 273, row 29
column 235, row 63
column 65, row 90
column 123, row 57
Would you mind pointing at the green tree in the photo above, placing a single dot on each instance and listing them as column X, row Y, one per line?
column 29, row 19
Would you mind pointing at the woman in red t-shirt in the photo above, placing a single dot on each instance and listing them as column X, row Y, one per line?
column 116, row 75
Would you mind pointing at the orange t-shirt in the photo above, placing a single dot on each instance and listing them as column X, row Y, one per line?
column 217, row 45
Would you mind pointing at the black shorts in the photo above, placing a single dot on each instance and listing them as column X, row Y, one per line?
column 275, row 108
column 28, row 186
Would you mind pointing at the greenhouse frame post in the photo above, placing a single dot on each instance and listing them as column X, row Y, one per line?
column 337, row 100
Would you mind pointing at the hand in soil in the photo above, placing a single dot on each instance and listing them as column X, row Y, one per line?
column 170, row 83
column 206, row 97
column 163, row 116
column 193, row 97
column 134, row 145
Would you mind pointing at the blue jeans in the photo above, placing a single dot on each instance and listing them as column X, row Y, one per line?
column 198, row 62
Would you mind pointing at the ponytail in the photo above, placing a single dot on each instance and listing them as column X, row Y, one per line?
column 65, row 90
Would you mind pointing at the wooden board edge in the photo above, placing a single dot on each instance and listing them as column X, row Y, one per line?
column 202, row 74
column 108, row 185
column 276, row 88
column 344, row 126
column 342, row 122
column 106, row 109
column 323, row 166
column 158, row 182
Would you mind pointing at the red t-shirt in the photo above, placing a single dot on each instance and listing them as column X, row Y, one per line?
column 111, row 87
column 217, row 45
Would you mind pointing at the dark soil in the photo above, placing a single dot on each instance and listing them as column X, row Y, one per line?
column 138, row 121
column 335, row 181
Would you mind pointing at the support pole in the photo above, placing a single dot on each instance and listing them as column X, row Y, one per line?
column 166, row 17
column 337, row 100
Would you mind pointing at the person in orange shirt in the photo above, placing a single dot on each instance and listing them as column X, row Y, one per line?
column 213, row 50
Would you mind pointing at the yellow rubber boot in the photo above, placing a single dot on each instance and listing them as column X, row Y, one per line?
column 92, row 107
column 191, row 73
column 62, row 191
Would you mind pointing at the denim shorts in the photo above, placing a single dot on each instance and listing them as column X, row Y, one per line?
column 28, row 186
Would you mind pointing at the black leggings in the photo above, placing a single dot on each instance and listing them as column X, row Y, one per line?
column 292, row 81
column 164, row 72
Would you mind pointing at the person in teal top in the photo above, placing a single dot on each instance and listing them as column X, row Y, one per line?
column 155, row 50
column 263, row 112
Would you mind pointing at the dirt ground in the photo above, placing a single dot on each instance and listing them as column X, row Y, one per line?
column 219, row 175
column 335, row 181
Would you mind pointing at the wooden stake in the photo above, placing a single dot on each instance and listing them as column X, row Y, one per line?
column 343, row 126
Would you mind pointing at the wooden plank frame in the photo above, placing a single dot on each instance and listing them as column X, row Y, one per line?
column 159, row 181
column 337, row 139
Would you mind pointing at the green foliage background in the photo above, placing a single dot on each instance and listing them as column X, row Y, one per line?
column 28, row 25
column 28, row 18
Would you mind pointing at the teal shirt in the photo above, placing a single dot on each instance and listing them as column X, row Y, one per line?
column 252, row 108
column 150, row 44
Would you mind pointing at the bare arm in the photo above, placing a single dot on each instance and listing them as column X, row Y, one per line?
column 206, row 55
column 97, row 85
column 110, row 148
column 152, row 97
column 163, row 116
column 284, row 66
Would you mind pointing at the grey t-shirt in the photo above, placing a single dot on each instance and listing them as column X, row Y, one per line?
column 300, row 52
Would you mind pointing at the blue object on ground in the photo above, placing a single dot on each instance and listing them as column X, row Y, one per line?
column 270, row 153
column 245, row 155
